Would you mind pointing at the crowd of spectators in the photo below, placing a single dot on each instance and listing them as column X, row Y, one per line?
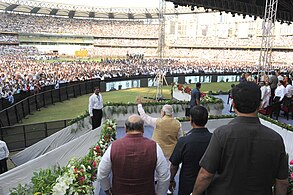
column 20, row 23
column 23, row 74
column 8, row 38
column 218, row 55
column 17, row 51
column 238, row 55
column 121, row 51
column 280, row 41
column 20, row 73
column 127, row 42
column 46, row 24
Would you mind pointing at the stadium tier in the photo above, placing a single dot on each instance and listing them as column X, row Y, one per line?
column 211, row 49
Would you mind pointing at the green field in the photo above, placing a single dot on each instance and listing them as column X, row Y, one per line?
column 72, row 108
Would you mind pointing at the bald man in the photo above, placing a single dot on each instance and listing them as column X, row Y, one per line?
column 134, row 160
column 167, row 129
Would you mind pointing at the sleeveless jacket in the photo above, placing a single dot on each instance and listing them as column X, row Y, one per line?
column 166, row 134
column 134, row 160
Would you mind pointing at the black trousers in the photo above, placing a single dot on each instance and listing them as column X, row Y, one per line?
column 3, row 165
column 97, row 118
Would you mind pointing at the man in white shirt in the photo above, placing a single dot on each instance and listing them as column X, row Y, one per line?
column 134, row 160
column 289, row 89
column 4, row 153
column 95, row 108
column 280, row 92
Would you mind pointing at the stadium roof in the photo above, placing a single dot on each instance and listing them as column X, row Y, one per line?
column 73, row 11
column 245, row 7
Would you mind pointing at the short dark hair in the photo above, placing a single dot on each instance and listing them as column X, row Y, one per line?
column 136, row 125
column 199, row 115
column 198, row 84
column 246, row 97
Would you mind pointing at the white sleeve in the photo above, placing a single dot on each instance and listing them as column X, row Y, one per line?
column 283, row 92
column 104, row 170
column 162, row 172
column 101, row 100
column 180, row 132
column 146, row 118
column 6, row 150
column 90, row 106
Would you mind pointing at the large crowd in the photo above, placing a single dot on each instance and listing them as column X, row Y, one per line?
column 8, row 38
column 113, row 39
column 279, row 41
column 47, row 24
column 23, row 74
column 17, row 51
column 127, row 42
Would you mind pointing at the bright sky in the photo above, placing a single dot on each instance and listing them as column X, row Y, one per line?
column 112, row 3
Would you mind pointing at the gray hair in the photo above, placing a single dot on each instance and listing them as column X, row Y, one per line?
column 168, row 109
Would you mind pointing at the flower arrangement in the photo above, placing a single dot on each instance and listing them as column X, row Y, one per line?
column 207, row 99
column 290, row 179
column 184, row 89
column 78, row 176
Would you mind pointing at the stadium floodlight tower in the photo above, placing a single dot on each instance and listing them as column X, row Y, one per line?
column 268, row 27
column 160, row 77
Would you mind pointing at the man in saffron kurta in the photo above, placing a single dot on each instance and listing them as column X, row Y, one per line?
column 134, row 160
column 167, row 130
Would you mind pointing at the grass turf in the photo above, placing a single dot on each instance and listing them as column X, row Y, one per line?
column 72, row 108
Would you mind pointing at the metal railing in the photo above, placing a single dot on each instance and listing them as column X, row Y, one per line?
column 15, row 113
column 21, row 136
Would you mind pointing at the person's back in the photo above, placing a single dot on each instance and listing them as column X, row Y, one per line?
column 250, row 158
column 133, row 159
column 166, row 134
column 166, row 129
column 189, row 151
column 195, row 96
column 244, row 157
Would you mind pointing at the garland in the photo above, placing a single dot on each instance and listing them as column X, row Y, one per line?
column 184, row 119
column 283, row 125
column 78, row 176
column 78, row 118
column 290, row 188
column 207, row 99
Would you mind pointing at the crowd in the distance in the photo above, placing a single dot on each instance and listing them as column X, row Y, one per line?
column 8, row 38
column 24, row 74
column 47, row 24
column 280, row 41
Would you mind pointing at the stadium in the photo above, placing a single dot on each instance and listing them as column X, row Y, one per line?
column 54, row 52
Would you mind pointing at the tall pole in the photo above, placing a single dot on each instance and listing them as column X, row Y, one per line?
column 268, row 27
column 159, row 79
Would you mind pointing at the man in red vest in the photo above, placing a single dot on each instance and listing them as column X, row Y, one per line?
column 133, row 161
